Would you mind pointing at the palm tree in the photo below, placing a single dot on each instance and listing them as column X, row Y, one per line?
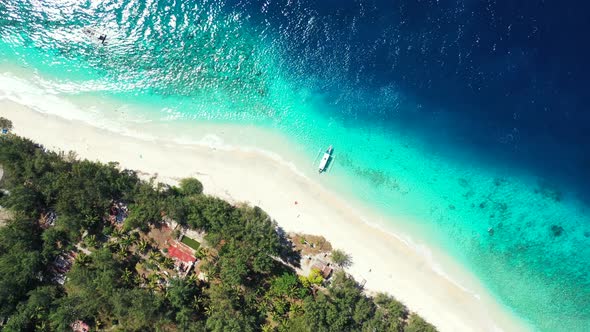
column 197, row 302
column 265, row 305
column 201, row 252
column 154, row 255
column 192, row 278
column 142, row 245
column 118, row 232
column 168, row 263
column 91, row 241
column 42, row 326
column 126, row 241
column 82, row 259
column 209, row 309
column 153, row 282
column 127, row 276
column 122, row 252
column 90, row 220
column 138, row 279
column 296, row 309
column 112, row 245
column 341, row 258
column 39, row 316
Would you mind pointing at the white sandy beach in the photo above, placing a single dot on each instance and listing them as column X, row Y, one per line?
column 251, row 176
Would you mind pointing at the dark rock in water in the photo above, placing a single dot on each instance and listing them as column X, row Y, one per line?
column 587, row 234
column 491, row 231
column 452, row 207
column 557, row 230
column 482, row 205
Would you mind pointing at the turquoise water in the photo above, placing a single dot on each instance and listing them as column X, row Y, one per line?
column 524, row 233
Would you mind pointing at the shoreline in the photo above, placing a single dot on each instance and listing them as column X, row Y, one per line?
column 396, row 266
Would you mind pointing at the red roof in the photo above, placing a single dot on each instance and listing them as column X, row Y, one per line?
column 181, row 254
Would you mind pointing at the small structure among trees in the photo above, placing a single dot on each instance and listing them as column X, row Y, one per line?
column 47, row 219
column 323, row 268
column 80, row 326
column 184, row 258
column 118, row 213
column 61, row 265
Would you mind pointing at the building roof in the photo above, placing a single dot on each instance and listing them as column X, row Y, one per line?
column 181, row 254
column 324, row 269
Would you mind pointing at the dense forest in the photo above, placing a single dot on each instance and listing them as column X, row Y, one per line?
column 57, row 204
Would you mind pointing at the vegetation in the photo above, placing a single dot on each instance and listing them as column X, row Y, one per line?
column 190, row 242
column 191, row 186
column 341, row 258
column 116, row 280
column 5, row 123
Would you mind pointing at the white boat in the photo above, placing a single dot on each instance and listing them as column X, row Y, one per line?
column 325, row 160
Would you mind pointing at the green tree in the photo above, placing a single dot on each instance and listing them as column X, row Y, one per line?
column 147, row 207
column 55, row 240
column 418, row 324
column 186, row 298
column 34, row 313
column 5, row 123
column 314, row 279
column 341, row 258
column 168, row 263
column 191, row 186
column 137, row 309
column 391, row 307
column 83, row 259
column 91, row 241
column 142, row 245
column 25, row 200
column 225, row 311
column 287, row 285
column 20, row 263
column 127, row 276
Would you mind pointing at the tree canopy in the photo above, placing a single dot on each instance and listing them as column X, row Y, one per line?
column 191, row 186
column 5, row 123
column 340, row 258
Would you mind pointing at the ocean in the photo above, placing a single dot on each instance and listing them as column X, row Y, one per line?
column 467, row 118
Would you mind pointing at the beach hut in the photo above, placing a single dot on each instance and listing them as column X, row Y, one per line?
column 324, row 268
column 180, row 253
column 184, row 257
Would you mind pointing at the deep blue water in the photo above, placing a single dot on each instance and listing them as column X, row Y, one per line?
column 506, row 80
